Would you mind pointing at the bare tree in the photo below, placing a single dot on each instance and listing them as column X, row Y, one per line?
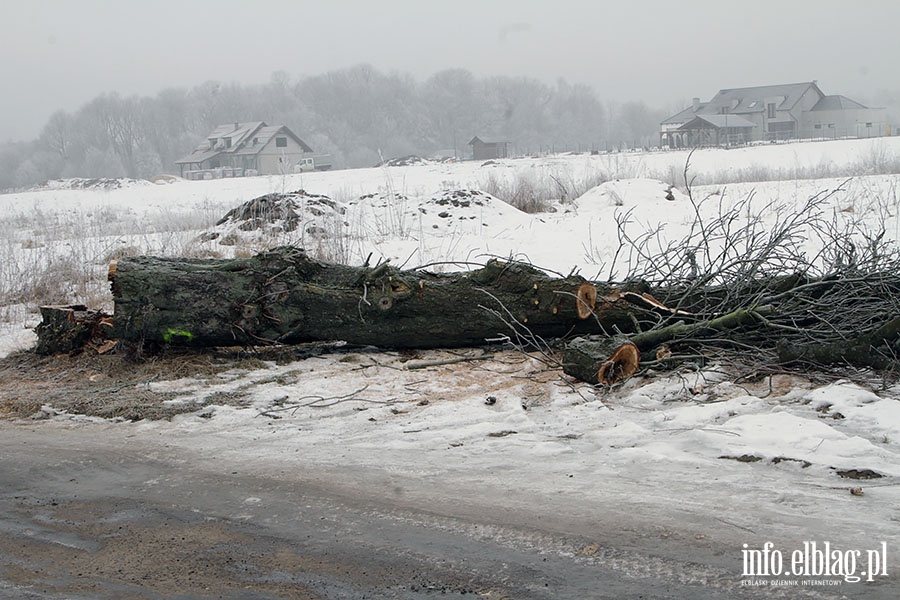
column 118, row 120
column 57, row 134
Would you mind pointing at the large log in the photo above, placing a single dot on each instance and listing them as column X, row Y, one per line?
column 861, row 350
column 606, row 360
column 599, row 360
column 284, row 296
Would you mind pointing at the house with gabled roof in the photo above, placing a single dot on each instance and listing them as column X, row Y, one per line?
column 237, row 149
column 771, row 113
column 488, row 149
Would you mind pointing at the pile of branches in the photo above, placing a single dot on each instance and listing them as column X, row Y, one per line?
column 763, row 288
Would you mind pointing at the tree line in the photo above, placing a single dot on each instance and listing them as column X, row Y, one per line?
column 359, row 115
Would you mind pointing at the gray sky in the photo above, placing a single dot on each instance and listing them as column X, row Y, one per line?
column 59, row 54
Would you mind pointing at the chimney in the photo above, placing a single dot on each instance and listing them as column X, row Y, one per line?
column 696, row 104
column 236, row 124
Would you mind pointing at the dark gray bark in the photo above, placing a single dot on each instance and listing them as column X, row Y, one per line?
column 877, row 349
column 284, row 296
column 583, row 357
column 72, row 327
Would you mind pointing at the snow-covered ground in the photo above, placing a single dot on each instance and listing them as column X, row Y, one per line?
column 694, row 452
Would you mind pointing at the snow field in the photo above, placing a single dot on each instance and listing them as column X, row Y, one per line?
column 693, row 452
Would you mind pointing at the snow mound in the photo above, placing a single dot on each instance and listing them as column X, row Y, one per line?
column 165, row 179
column 273, row 216
column 447, row 212
column 460, row 204
column 467, row 211
column 780, row 436
column 471, row 204
column 630, row 193
column 858, row 410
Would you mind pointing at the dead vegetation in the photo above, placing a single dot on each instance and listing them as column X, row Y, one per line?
column 746, row 287
column 106, row 386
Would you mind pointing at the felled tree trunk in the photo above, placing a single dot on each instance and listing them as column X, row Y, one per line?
column 859, row 351
column 608, row 361
column 604, row 360
column 284, row 296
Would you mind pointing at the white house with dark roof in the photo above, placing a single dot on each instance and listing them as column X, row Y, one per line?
column 237, row 149
column 768, row 113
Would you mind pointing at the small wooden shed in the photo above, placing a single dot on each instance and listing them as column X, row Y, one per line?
column 486, row 150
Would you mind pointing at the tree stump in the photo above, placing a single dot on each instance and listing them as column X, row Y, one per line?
column 71, row 328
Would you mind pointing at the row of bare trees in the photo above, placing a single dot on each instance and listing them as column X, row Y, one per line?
column 357, row 114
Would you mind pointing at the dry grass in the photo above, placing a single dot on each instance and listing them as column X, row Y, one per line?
column 55, row 256
column 534, row 192
column 106, row 386
column 111, row 386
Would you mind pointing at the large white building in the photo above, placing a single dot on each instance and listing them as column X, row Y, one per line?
column 235, row 149
column 768, row 113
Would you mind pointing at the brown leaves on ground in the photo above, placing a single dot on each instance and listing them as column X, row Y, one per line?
column 107, row 385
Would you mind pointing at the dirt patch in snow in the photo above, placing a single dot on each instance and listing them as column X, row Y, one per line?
column 404, row 161
column 106, row 386
column 110, row 386
column 96, row 183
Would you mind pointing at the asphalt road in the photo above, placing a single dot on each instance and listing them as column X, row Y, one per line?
column 84, row 515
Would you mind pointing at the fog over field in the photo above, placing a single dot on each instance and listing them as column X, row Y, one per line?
column 658, row 52
column 650, row 52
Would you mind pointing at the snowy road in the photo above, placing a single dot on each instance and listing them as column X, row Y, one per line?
column 97, row 510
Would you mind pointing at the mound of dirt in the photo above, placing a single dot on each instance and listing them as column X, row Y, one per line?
column 289, row 215
column 404, row 161
column 97, row 183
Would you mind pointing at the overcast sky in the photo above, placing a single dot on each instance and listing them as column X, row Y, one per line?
column 59, row 54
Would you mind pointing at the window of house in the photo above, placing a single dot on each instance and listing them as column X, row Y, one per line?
column 869, row 124
column 770, row 110
column 228, row 142
column 817, row 126
column 281, row 142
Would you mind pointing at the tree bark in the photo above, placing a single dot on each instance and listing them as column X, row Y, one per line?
column 72, row 327
column 877, row 349
column 284, row 296
column 585, row 358
column 606, row 360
